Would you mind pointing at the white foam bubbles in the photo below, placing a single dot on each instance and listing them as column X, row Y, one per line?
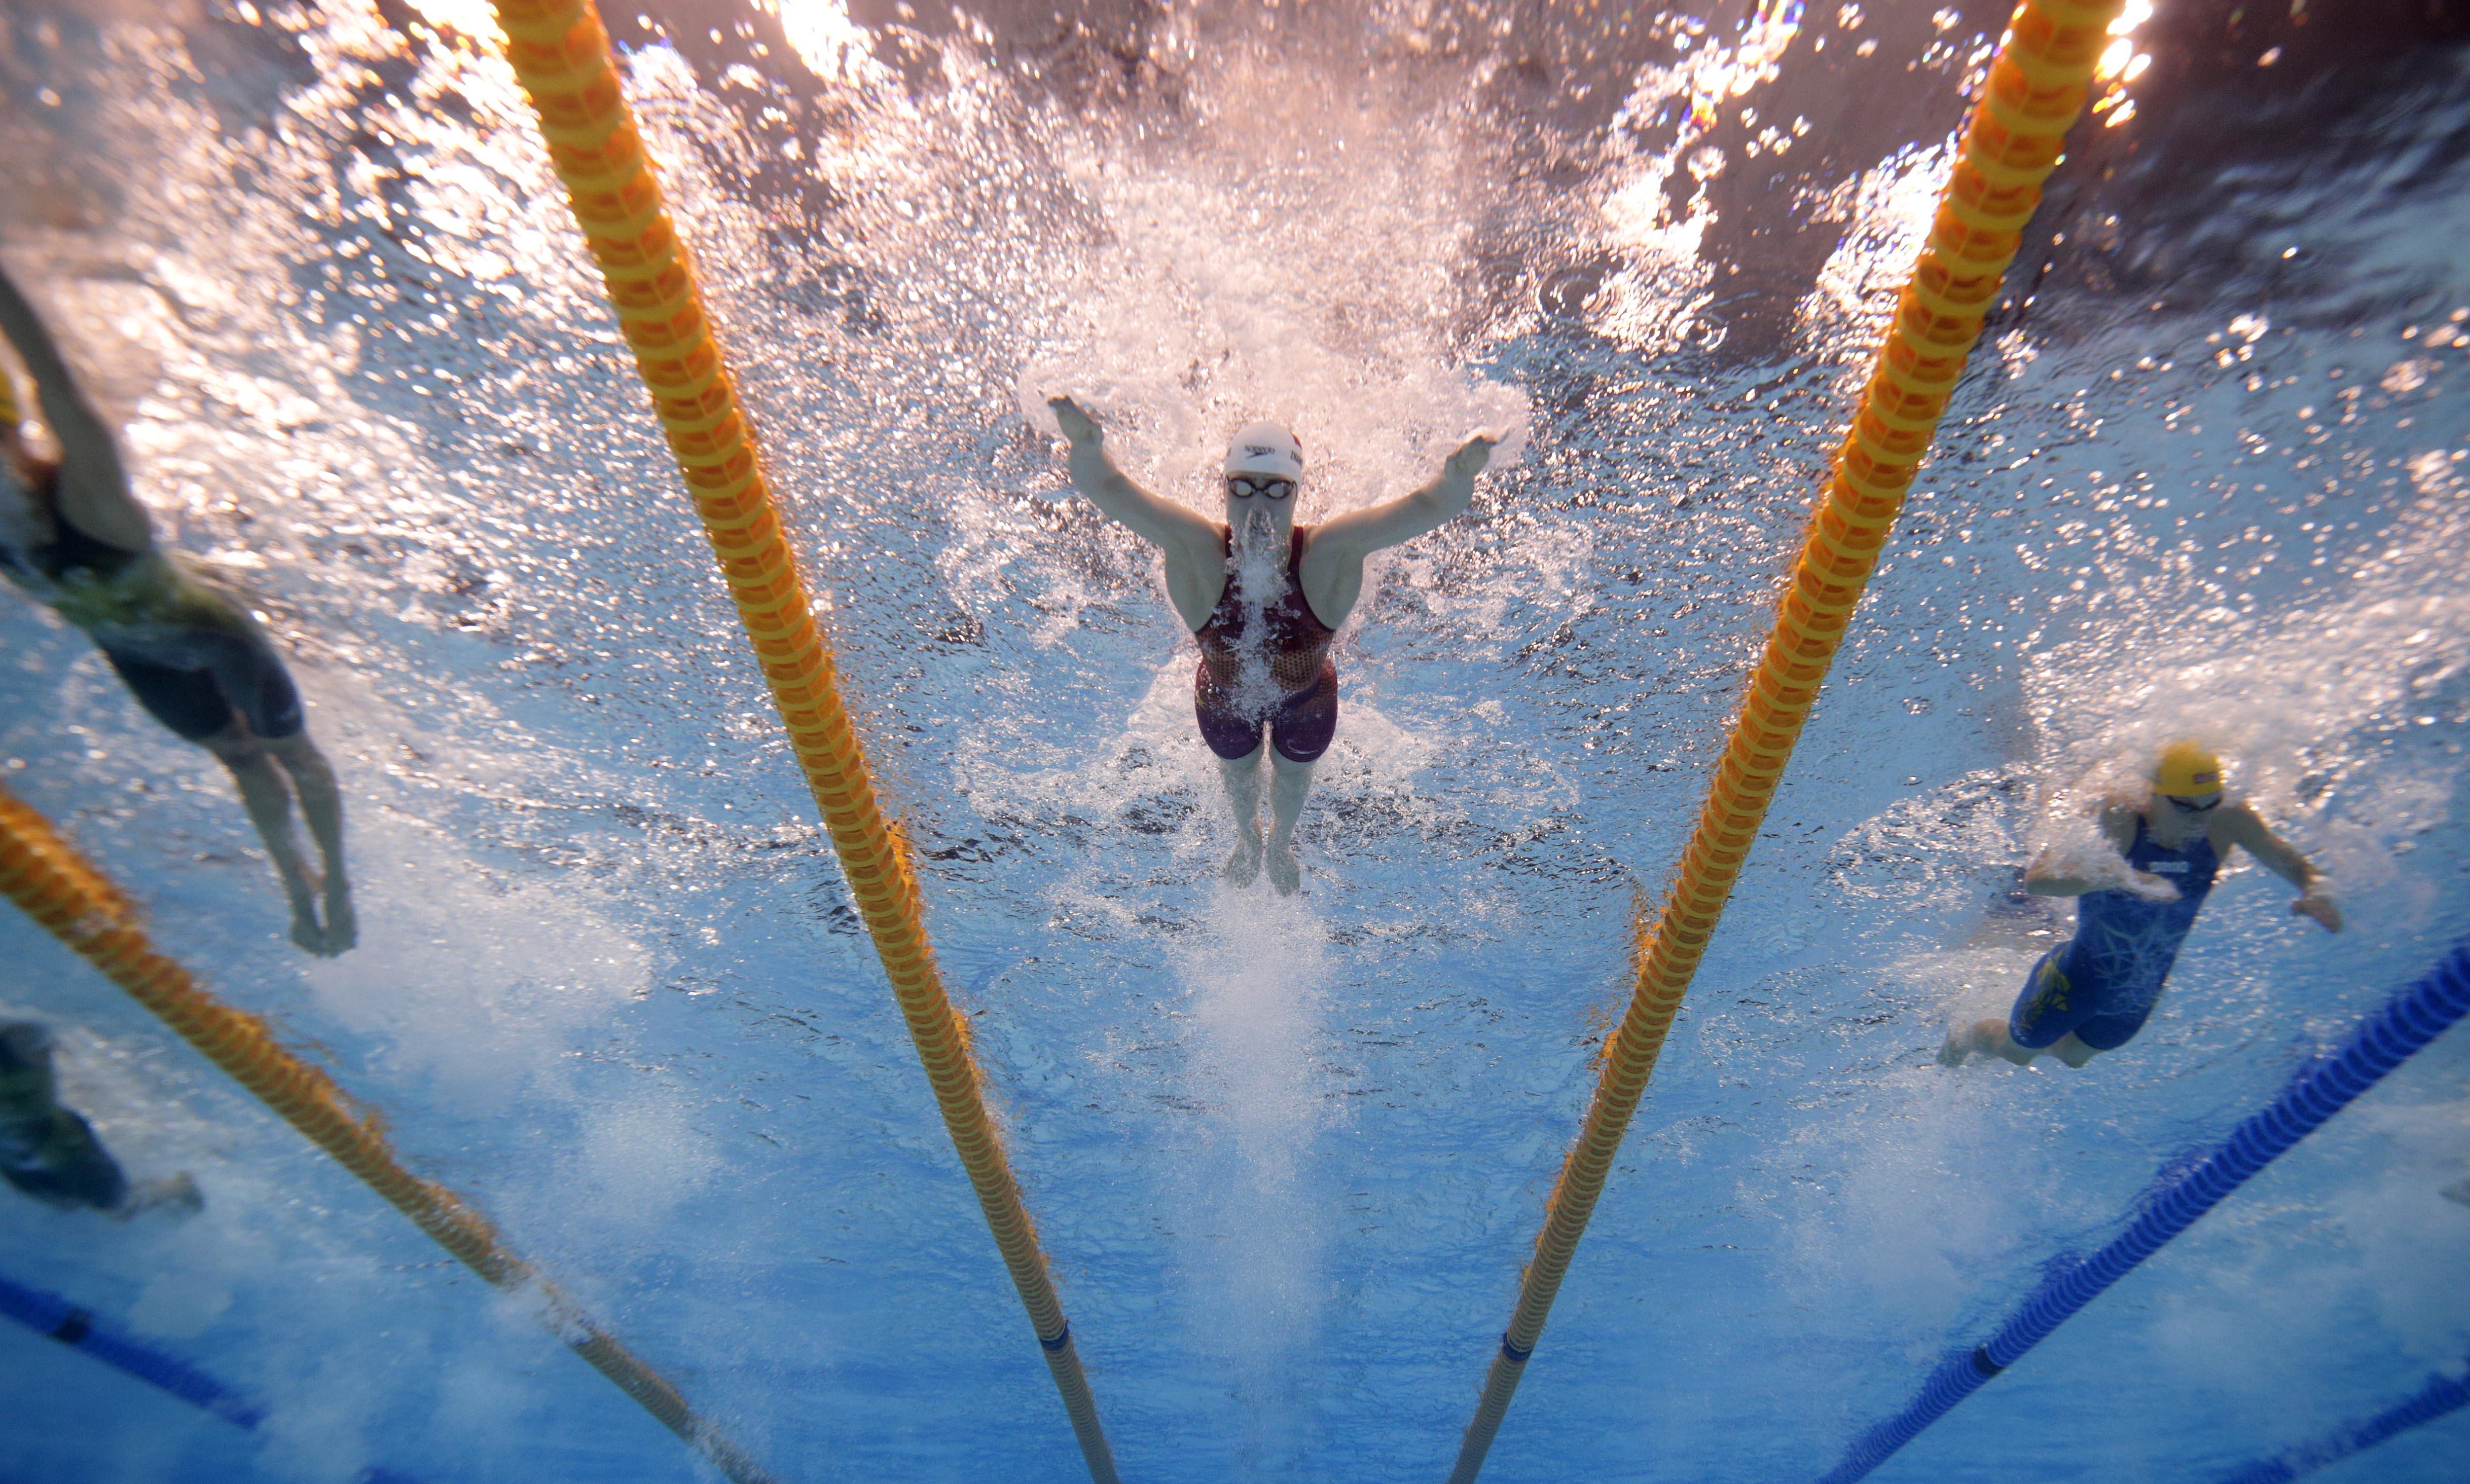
column 1250, row 978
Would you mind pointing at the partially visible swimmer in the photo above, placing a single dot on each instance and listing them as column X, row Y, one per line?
column 2092, row 993
column 1265, row 598
column 51, row 1153
column 74, row 536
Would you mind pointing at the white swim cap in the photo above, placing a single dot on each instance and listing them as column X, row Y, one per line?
column 1265, row 449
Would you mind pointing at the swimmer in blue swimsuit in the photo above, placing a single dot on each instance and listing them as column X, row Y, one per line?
column 2133, row 908
column 1265, row 597
column 49, row 1152
column 74, row 536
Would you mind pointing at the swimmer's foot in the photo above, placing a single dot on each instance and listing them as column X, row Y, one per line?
column 305, row 930
column 176, row 1196
column 1246, row 863
column 343, row 924
column 1980, row 1039
column 338, row 931
column 1286, row 872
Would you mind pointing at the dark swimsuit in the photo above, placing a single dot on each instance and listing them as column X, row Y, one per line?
column 1297, row 698
column 216, row 672
column 200, row 703
column 67, row 1164
column 2103, row 983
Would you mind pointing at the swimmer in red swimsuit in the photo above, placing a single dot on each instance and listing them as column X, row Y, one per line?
column 1265, row 598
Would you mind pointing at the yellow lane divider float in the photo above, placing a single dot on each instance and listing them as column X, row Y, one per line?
column 2035, row 92
column 62, row 889
column 561, row 54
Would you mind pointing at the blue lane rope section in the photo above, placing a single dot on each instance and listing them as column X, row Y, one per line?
column 2314, row 1092
column 2442, row 1394
column 51, row 1315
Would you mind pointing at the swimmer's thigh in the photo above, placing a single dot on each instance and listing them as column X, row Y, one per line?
column 253, row 677
column 189, row 702
column 2050, row 1005
column 1231, row 737
column 1305, row 724
column 2115, row 1028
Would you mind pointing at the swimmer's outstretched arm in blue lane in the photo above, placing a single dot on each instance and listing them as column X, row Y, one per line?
column 2239, row 826
column 94, row 494
column 1194, row 546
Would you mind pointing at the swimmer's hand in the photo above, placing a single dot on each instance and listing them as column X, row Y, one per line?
column 2316, row 905
column 1470, row 458
column 2146, row 885
column 1078, row 425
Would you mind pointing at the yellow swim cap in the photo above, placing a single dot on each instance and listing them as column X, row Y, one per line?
column 2187, row 768
column 10, row 416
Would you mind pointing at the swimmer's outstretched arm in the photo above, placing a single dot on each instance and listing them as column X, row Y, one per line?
column 1180, row 530
column 2283, row 860
column 1332, row 572
column 1195, row 550
column 1359, row 533
column 94, row 494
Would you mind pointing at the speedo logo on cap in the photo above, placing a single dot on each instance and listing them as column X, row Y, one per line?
column 1256, row 449
column 2205, row 778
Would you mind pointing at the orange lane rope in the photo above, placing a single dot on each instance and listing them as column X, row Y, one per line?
column 561, row 54
column 61, row 888
column 2012, row 140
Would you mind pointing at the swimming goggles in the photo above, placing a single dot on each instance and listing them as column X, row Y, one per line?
column 1267, row 488
column 2204, row 805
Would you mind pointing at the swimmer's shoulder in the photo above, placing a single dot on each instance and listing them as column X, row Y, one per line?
column 2117, row 812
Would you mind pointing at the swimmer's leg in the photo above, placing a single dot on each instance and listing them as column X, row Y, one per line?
column 2075, row 1052
column 267, row 799
column 1289, row 782
column 1983, row 1038
column 321, row 804
column 1298, row 735
column 1991, row 1038
column 2047, row 1013
column 267, row 722
column 1243, row 779
column 1980, row 1039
